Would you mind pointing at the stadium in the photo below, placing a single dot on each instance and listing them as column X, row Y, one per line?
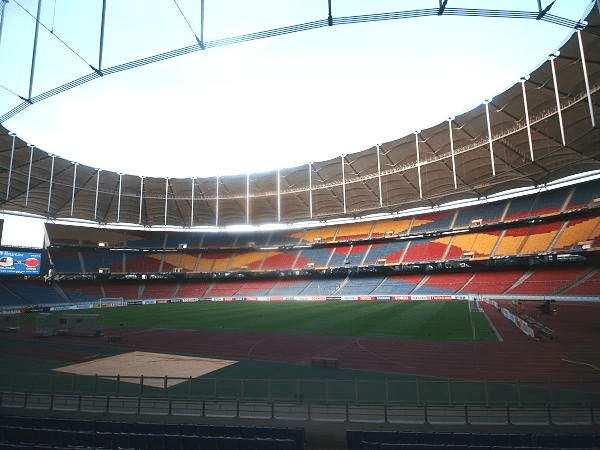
column 437, row 290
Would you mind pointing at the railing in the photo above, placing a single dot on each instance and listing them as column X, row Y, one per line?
column 303, row 411
column 409, row 392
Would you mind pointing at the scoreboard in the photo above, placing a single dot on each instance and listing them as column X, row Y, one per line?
column 20, row 262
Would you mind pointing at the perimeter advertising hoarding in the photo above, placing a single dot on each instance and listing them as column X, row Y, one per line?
column 17, row 262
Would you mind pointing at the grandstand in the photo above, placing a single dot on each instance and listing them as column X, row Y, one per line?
column 504, row 236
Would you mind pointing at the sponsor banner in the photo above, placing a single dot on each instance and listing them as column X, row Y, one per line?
column 70, row 307
column 135, row 302
column 333, row 298
column 524, row 327
column 17, row 262
column 520, row 323
column 162, row 302
column 420, row 297
column 149, row 302
column 441, row 297
column 228, row 299
column 318, row 298
column 383, row 297
column 494, row 303
column 266, row 299
column 400, row 298
column 461, row 297
column 348, row 298
column 506, row 313
column 217, row 299
column 366, row 298
column 176, row 300
column 250, row 299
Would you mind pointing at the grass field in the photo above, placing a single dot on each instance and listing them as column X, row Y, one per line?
column 401, row 320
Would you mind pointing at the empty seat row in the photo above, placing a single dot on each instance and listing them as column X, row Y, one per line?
column 58, row 431
column 427, row 440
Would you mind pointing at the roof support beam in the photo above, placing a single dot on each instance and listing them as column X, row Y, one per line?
column 35, row 43
column 97, row 187
column 278, row 195
column 329, row 16
column 201, row 43
column 247, row 199
column 343, row 184
column 527, row 118
column 489, row 128
column 452, row 151
column 101, row 42
column 418, row 164
column 558, row 108
column 543, row 11
column 10, row 168
column 379, row 175
column 310, row 199
column 166, row 197
column 2, row 12
column 443, row 4
column 119, row 198
column 29, row 174
column 585, row 78
column 217, row 206
column 51, row 180
column 75, row 164
column 192, row 205
column 141, row 199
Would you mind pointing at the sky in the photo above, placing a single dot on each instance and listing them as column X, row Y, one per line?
column 262, row 105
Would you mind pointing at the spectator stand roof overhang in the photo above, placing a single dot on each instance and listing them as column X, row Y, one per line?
column 541, row 129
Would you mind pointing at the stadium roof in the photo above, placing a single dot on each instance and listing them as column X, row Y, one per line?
column 541, row 129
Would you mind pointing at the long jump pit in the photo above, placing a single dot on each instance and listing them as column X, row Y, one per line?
column 154, row 367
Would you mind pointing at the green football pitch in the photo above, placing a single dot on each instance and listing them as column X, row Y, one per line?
column 397, row 320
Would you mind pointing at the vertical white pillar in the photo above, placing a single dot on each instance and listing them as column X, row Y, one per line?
column 101, row 43
column 585, row 78
column 2, row 12
column 489, row 128
column 51, row 180
column 278, row 195
column 343, row 184
column 192, row 208
column 247, row 198
column 558, row 108
column 29, row 174
column 217, row 206
column 527, row 118
column 97, row 187
column 166, row 197
column 379, row 175
column 75, row 164
column 12, row 155
column 119, row 200
column 310, row 199
column 452, row 150
column 418, row 164
column 141, row 199
column 35, row 43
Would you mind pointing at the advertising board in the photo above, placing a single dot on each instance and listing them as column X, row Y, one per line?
column 17, row 262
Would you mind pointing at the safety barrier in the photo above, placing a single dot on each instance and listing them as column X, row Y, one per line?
column 303, row 411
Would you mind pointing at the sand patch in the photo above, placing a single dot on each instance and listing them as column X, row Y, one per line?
column 153, row 366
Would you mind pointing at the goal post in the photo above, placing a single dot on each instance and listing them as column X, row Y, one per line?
column 110, row 302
